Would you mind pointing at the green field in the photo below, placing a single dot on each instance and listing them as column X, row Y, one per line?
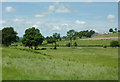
column 104, row 36
column 62, row 64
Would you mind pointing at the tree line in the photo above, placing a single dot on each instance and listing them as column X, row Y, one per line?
column 33, row 37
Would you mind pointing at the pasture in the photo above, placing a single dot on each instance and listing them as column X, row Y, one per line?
column 82, row 63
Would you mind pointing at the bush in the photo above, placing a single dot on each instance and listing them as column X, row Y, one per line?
column 114, row 44
column 104, row 46
column 68, row 44
column 43, row 48
column 75, row 44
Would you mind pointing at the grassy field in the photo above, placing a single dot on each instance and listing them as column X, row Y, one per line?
column 62, row 64
column 104, row 36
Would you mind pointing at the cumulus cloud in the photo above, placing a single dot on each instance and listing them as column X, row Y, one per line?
column 110, row 16
column 80, row 22
column 18, row 20
column 56, row 28
column 36, row 26
column 55, row 8
column 62, row 9
column 9, row 9
column 39, row 15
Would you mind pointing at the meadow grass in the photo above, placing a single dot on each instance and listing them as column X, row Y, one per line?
column 61, row 64
column 104, row 36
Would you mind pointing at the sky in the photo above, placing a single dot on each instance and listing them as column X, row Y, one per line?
column 60, row 17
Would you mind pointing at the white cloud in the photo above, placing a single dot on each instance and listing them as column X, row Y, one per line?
column 95, row 30
column 51, row 7
column 110, row 17
column 56, row 28
column 64, row 24
column 35, row 26
column 80, row 22
column 9, row 9
column 2, row 22
column 62, row 9
column 55, row 8
column 39, row 15
column 89, row 1
column 18, row 20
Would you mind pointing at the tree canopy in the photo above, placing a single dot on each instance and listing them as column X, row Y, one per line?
column 8, row 36
column 32, row 37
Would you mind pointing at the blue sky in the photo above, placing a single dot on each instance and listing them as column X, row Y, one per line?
column 51, row 17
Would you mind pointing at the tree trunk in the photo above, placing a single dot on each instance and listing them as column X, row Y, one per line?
column 71, row 43
column 35, row 47
column 55, row 46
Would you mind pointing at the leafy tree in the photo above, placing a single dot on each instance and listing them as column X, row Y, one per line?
column 114, row 44
column 32, row 37
column 71, row 34
column 110, row 30
column 56, row 36
column 8, row 36
column 64, row 37
column 51, row 40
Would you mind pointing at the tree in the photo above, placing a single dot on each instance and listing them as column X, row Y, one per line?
column 51, row 40
column 119, row 31
column 56, row 36
column 32, row 37
column 68, row 44
column 71, row 34
column 8, row 36
column 114, row 44
column 116, row 29
column 110, row 30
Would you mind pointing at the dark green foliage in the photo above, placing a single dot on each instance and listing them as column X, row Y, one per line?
column 8, row 36
column 71, row 35
column 114, row 44
column 104, row 46
column 86, row 33
column 68, row 44
column 75, row 44
column 56, row 36
column 50, row 40
column 32, row 37
column 116, row 29
column 110, row 30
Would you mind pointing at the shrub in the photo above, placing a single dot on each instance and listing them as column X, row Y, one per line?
column 43, row 48
column 114, row 44
column 75, row 44
column 68, row 44
column 104, row 46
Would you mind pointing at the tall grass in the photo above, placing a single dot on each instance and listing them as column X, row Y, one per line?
column 61, row 64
